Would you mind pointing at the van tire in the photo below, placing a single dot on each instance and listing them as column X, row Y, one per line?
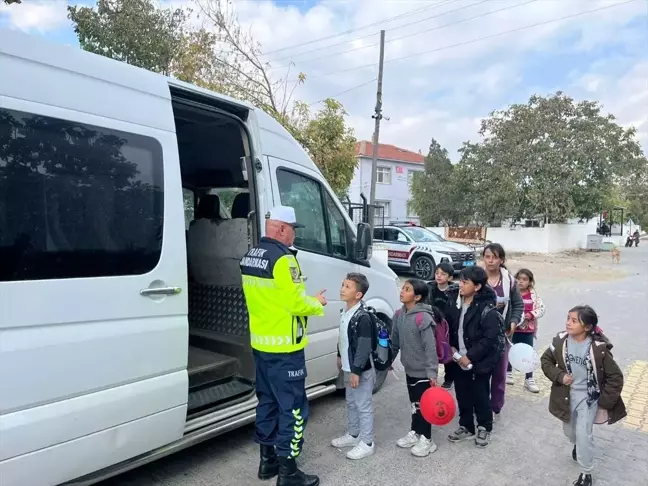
column 423, row 267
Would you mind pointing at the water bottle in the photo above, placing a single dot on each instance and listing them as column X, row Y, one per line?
column 457, row 357
column 382, row 351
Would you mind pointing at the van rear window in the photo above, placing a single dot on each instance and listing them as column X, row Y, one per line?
column 77, row 200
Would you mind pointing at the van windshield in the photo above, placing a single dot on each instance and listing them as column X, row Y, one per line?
column 422, row 235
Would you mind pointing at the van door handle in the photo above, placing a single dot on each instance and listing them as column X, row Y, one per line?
column 160, row 291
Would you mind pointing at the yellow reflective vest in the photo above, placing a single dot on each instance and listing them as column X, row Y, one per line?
column 276, row 298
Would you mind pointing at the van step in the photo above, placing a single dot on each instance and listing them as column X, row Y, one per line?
column 208, row 366
column 214, row 394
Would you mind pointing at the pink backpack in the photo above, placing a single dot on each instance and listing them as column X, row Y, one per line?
column 442, row 335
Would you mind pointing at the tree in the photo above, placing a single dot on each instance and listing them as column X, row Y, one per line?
column 140, row 33
column 552, row 157
column 219, row 56
column 330, row 143
column 248, row 77
column 432, row 195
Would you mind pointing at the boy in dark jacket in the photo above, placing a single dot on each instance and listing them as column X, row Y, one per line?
column 355, row 345
column 440, row 294
column 586, row 384
column 477, row 344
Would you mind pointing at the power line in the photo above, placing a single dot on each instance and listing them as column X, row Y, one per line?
column 460, row 44
column 438, row 27
column 345, row 91
column 372, row 34
column 362, row 27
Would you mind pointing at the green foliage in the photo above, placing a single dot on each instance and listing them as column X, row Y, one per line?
column 132, row 31
column 552, row 158
column 221, row 57
column 330, row 143
column 431, row 191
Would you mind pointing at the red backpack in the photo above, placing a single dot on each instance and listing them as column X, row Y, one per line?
column 442, row 335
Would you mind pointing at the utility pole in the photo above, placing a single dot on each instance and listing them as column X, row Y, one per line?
column 377, row 116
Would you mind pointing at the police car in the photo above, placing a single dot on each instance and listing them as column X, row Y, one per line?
column 418, row 250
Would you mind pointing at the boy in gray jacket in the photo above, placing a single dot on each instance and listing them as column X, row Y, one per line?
column 413, row 335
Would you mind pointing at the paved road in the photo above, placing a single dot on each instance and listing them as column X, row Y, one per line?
column 528, row 446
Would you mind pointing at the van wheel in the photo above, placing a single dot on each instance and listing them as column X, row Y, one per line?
column 423, row 267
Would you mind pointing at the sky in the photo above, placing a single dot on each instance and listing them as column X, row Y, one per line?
column 448, row 63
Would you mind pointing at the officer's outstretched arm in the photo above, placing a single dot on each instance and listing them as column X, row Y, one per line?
column 293, row 292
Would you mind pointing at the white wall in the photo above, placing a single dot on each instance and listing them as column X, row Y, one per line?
column 552, row 238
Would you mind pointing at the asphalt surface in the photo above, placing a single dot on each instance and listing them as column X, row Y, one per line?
column 528, row 446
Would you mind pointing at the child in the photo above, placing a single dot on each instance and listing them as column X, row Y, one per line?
column 510, row 305
column 586, row 384
column 440, row 288
column 413, row 334
column 354, row 351
column 526, row 331
column 478, row 343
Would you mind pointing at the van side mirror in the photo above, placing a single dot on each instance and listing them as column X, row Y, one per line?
column 363, row 243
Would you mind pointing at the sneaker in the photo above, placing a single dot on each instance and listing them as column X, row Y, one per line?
column 447, row 385
column 584, row 480
column 483, row 437
column 408, row 441
column 462, row 433
column 530, row 384
column 574, row 457
column 345, row 441
column 496, row 417
column 361, row 450
column 509, row 378
column 423, row 447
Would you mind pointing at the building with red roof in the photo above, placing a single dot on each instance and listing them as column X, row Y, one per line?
column 396, row 167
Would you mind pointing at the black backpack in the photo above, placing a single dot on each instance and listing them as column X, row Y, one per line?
column 501, row 335
column 379, row 325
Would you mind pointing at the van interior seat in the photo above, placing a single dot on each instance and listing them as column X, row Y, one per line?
column 201, row 240
column 241, row 206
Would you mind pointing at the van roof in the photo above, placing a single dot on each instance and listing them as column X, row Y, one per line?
column 17, row 47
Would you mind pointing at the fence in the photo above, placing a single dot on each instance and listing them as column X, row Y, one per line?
column 551, row 238
column 362, row 212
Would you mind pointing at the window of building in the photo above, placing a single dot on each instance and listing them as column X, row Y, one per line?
column 326, row 230
column 386, row 209
column 77, row 200
column 383, row 175
column 410, row 211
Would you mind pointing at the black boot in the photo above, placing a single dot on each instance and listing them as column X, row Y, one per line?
column 269, row 464
column 290, row 475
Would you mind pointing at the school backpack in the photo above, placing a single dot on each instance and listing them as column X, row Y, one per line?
column 380, row 363
column 442, row 337
column 501, row 335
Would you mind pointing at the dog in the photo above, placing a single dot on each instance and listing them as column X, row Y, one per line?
column 616, row 255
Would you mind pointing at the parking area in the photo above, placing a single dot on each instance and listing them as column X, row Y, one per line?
column 528, row 446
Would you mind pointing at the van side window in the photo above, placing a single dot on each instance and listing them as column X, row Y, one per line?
column 305, row 196
column 189, row 201
column 338, row 228
column 77, row 200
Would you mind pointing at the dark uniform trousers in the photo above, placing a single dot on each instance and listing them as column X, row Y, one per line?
column 282, row 412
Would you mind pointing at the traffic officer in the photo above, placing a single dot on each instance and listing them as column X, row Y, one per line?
column 279, row 308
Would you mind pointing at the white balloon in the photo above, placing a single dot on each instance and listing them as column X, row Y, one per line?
column 523, row 358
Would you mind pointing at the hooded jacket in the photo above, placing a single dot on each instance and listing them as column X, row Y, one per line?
column 608, row 377
column 480, row 336
column 413, row 335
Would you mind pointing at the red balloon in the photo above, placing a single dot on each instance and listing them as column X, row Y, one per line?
column 438, row 406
